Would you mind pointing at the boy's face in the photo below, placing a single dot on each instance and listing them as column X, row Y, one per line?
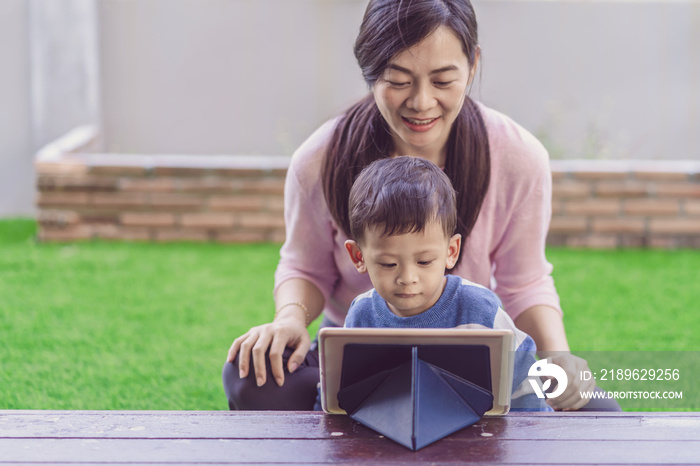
column 408, row 271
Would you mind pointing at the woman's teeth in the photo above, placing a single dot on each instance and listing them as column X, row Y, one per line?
column 420, row 122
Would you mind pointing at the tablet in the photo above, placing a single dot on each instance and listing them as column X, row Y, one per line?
column 490, row 363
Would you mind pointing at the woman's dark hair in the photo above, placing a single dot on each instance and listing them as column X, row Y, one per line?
column 401, row 195
column 362, row 136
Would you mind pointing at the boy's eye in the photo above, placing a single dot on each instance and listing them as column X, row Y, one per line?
column 425, row 262
column 388, row 266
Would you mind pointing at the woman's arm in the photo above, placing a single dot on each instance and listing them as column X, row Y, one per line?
column 299, row 302
column 523, row 186
column 544, row 324
column 305, row 274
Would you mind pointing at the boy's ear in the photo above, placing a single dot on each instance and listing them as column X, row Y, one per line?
column 453, row 250
column 356, row 256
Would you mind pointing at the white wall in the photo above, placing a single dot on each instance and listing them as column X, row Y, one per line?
column 606, row 78
column 601, row 79
column 64, row 67
column 222, row 76
column 48, row 86
column 16, row 173
column 592, row 78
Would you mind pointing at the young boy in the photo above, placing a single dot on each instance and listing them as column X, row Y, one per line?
column 403, row 217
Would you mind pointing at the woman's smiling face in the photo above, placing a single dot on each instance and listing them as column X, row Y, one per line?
column 421, row 92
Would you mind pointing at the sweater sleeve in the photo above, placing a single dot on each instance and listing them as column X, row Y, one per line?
column 308, row 250
column 361, row 311
column 522, row 273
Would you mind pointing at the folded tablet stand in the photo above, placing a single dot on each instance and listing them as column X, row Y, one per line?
column 415, row 394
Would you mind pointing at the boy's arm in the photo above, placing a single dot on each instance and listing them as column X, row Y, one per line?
column 350, row 319
column 351, row 316
column 361, row 311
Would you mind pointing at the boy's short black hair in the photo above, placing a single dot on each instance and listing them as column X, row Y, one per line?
column 402, row 195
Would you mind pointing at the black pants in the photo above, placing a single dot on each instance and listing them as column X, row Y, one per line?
column 297, row 394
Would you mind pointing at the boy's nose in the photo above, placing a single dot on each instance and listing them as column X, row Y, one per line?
column 406, row 277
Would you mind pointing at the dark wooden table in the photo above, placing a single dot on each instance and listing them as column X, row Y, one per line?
column 166, row 437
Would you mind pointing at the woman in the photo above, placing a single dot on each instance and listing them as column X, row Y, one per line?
column 419, row 59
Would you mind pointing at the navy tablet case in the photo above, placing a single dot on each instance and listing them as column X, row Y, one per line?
column 415, row 394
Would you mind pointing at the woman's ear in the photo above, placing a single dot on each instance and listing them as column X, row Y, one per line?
column 473, row 66
column 453, row 251
column 356, row 256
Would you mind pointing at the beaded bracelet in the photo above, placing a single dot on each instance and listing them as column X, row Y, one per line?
column 301, row 305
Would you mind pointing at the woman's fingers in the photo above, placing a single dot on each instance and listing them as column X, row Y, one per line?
column 299, row 353
column 235, row 346
column 298, row 338
column 569, row 400
column 233, row 350
column 245, row 346
column 576, row 401
column 259, row 349
column 572, row 399
column 277, row 347
column 269, row 339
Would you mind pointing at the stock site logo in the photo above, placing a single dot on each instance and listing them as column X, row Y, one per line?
column 543, row 368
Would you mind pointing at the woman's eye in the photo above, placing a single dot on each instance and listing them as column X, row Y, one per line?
column 397, row 84
column 443, row 83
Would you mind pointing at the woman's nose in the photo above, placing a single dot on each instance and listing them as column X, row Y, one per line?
column 421, row 99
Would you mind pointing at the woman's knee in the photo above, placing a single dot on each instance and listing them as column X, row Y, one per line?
column 298, row 393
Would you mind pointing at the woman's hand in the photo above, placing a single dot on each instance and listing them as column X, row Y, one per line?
column 545, row 326
column 571, row 399
column 286, row 330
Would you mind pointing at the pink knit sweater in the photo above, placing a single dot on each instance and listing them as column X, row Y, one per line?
column 504, row 252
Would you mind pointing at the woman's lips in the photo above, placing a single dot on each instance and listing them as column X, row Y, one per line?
column 419, row 125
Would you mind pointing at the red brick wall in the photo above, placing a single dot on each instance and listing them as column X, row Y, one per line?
column 625, row 204
column 215, row 202
column 231, row 199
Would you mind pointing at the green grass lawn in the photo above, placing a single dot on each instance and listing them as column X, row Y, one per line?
column 99, row 325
